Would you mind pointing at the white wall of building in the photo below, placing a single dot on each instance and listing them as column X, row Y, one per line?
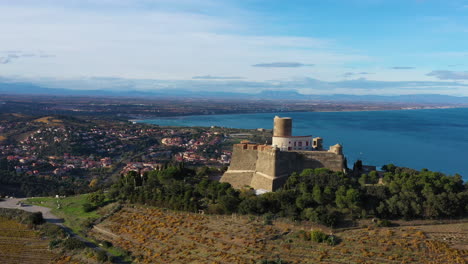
column 293, row 143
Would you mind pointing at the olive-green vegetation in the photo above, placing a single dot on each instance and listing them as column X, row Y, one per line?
column 318, row 195
column 22, row 217
column 71, row 209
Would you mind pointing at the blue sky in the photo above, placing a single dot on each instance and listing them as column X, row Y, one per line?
column 316, row 47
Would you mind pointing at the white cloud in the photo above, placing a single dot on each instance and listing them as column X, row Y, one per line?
column 162, row 44
column 449, row 75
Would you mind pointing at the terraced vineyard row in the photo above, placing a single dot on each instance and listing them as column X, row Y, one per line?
column 157, row 236
column 18, row 244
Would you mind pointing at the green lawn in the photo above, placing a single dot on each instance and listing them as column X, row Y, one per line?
column 69, row 208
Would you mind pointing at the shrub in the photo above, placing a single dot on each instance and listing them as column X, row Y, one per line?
column 96, row 198
column 52, row 230
column 54, row 243
column 318, row 236
column 332, row 240
column 322, row 215
column 303, row 235
column 88, row 208
column 268, row 219
column 89, row 223
column 106, row 244
column 35, row 219
column 101, row 256
column 73, row 243
column 321, row 237
column 384, row 223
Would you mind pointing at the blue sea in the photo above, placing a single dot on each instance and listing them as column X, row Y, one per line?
column 436, row 139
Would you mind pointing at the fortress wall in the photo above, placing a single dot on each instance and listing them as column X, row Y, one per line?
column 266, row 162
column 288, row 162
column 243, row 158
column 265, row 173
column 261, row 181
column 322, row 159
column 237, row 179
column 265, row 168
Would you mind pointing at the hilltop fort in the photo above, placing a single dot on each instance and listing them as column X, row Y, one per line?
column 267, row 167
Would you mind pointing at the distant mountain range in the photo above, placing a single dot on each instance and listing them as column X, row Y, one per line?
column 29, row 88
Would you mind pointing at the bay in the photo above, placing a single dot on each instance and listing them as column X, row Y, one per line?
column 436, row 139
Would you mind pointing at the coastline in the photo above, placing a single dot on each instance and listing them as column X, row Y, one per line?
column 142, row 120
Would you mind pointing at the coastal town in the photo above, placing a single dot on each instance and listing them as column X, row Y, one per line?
column 50, row 147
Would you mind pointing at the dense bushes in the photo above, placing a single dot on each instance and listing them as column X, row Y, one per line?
column 73, row 243
column 320, row 237
column 35, row 219
column 22, row 216
column 177, row 188
column 411, row 194
column 318, row 195
column 101, row 256
column 52, row 230
column 88, row 207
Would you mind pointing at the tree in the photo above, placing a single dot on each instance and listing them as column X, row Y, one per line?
column 317, row 194
column 340, row 199
column 93, row 183
column 96, row 198
column 352, row 200
column 363, row 179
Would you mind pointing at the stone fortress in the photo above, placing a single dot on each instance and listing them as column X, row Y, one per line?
column 267, row 167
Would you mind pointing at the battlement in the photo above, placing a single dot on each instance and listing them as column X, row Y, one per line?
column 250, row 146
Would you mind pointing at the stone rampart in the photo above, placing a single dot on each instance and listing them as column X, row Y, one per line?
column 266, row 167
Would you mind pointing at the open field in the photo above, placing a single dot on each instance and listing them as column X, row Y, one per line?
column 49, row 120
column 18, row 244
column 160, row 236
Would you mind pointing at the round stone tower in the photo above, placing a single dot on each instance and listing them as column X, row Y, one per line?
column 337, row 149
column 282, row 127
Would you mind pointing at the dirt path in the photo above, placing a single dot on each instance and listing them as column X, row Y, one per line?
column 12, row 203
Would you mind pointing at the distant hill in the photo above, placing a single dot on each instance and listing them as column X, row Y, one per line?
column 29, row 88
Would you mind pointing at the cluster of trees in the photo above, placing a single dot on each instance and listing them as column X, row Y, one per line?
column 411, row 194
column 176, row 187
column 94, row 201
column 318, row 195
